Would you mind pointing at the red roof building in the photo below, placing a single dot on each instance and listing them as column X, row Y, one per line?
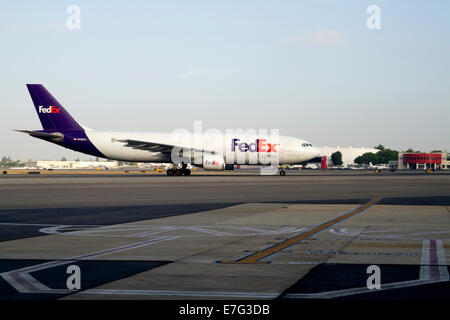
column 422, row 161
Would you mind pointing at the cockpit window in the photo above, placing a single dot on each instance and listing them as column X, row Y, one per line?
column 307, row 145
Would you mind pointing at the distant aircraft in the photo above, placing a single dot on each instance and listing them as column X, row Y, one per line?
column 381, row 166
column 313, row 166
column 60, row 128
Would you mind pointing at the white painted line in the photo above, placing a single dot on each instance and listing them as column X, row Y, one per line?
column 390, row 233
column 442, row 263
column 23, row 282
column 154, row 231
column 433, row 262
column 52, row 230
column 425, row 261
column 216, row 294
column 299, row 262
column 353, row 291
column 217, row 233
column 125, row 247
column 35, row 283
column 343, row 232
column 16, row 283
column 147, row 231
column 265, row 231
column 427, row 233
column 46, row 225
column 433, row 269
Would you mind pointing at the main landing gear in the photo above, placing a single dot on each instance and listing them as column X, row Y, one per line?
column 281, row 171
column 179, row 171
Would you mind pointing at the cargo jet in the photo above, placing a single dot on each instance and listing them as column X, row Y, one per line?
column 211, row 151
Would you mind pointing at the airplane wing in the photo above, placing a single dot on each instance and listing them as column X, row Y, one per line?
column 156, row 147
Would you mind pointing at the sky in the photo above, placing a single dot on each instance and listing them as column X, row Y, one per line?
column 312, row 69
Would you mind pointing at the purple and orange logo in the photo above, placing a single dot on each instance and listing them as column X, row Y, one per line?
column 260, row 145
column 50, row 109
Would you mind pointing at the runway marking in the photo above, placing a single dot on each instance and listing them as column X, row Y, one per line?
column 274, row 249
column 340, row 252
column 214, row 232
column 433, row 263
column 433, row 269
column 148, row 231
column 49, row 225
column 153, row 232
column 216, row 294
column 392, row 233
column 353, row 291
column 23, row 282
column 298, row 262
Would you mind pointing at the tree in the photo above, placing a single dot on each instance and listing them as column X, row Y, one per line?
column 381, row 157
column 386, row 155
column 63, row 159
column 380, row 147
column 336, row 158
column 410, row 150
column 6, row 159
column 436, row 151
column 8, row 162
column 366, row 158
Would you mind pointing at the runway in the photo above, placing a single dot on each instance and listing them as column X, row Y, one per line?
column 225, row 236
column 84, row 191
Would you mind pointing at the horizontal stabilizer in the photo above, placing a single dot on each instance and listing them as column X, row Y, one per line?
column 54, row 136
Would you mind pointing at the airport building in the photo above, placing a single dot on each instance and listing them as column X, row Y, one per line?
column 51, row 164
column 423, row 161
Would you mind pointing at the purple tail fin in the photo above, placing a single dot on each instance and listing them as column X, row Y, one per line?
column 51, row 113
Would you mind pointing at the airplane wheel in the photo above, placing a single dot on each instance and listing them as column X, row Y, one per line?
column 170, row 172
column 187, row 172
column 178, row 172
column 282, row 173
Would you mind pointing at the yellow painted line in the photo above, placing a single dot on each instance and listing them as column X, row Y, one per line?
column 258, row 256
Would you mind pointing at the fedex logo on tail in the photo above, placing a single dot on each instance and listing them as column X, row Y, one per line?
column 50, row 109
column 260, row 145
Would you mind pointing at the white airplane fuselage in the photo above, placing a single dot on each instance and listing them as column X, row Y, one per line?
column 288, row 149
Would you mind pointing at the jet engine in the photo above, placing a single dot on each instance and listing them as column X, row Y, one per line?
column 214, row 162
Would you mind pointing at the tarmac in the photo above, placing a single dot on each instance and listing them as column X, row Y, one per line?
column 228, row 236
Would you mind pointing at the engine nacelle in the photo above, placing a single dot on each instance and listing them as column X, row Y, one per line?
column 214, row 162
